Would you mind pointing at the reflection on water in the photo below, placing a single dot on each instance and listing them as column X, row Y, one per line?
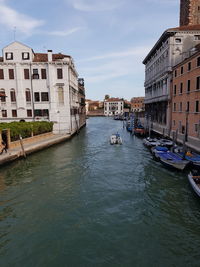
column 86, row 203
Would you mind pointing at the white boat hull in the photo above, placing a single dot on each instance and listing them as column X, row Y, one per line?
column 195, row 187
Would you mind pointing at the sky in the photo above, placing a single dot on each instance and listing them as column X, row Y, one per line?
column 108, row 39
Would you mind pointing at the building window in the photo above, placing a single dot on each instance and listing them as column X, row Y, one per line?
column 181, row 88
column 37, row 97
column 197, row 106
column 43, row 74
column 198, row 62
column 28, row 95
column 41, row 112
column 174, row 89
column 45, row 96
column 178, row 40
column 196, row 128
column 25, row 56
column 11, row 74
column 35, row 74
column 174, row 106
column 197, row 37
column 181, row 70
column 188, row 106
column 14, row 113
column 188, row 85
column 189, row 66
column 198, row 83
column 29, row 112
column 26, row 74
column 3, row 98
column 12, row 95
column 180, row 107
column 1, row 74
column 174, row 122
column 175, row 73
column 9, row 56
column 4, row 113
column 59, row 73
column 60, row 96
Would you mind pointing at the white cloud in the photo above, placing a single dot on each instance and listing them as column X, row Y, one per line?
column 11, row 18
column 115, row 65
column 137, row 51
column 95, row 5
column 63, row 33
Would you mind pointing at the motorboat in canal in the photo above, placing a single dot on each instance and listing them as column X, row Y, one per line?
column 194, row 179
column 166, row 142
column 192, row 157
column 115, row 139
column 150, row 142
column 169, row 159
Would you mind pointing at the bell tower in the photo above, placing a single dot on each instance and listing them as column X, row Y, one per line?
column 189, row 12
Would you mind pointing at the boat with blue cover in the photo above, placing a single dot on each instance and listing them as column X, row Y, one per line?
column 192, row 157
column 169, row 159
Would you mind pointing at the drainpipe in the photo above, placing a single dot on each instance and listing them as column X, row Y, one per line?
column 70, row 99
column 33, row 106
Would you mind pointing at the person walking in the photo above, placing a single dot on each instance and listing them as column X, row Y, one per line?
column 3, row 147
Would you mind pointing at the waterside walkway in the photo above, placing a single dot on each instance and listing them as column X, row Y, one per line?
column 17, row 152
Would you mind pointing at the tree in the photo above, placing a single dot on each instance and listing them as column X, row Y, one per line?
column 107, row 96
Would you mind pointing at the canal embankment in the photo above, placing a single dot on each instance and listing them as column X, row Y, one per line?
column 31, row 145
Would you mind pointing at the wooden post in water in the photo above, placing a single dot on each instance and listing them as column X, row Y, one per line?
column 22, row 146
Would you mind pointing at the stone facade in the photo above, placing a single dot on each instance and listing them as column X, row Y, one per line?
column 189, row 12
column 113, row 106
column 172, row 48
column 39, row 86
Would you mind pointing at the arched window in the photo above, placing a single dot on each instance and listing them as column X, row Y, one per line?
column 28, row 95
column 2, row 95
column 12, row 95
column 60, row 96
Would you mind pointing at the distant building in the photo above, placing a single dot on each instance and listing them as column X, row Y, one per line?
column 137, row 104
column 39, row 86
column 185, row 92
column 113, row 106
column 94, row 108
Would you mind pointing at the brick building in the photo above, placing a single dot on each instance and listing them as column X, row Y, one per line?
column 189, row 12
column 137, row 104
column 185, row 95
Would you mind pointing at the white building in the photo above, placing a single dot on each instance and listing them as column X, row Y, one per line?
column 39, row 86
column 113, row 106
column 174, row 46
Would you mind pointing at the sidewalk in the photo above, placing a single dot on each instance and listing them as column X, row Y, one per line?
column 17, row 152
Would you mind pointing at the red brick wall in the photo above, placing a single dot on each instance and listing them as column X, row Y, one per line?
column 192, row 96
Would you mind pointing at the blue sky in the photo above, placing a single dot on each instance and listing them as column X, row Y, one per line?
column 108, row 39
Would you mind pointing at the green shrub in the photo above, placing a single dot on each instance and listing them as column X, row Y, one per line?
column 25, row 129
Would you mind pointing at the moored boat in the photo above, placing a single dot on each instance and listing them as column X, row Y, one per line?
column 169, row 159
column 194, row 179
column 192, row 157
column 172, row 160
column 150, row 142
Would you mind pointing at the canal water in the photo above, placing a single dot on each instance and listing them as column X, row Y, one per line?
column 87, row 203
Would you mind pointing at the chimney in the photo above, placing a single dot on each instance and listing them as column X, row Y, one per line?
column 49, row 55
